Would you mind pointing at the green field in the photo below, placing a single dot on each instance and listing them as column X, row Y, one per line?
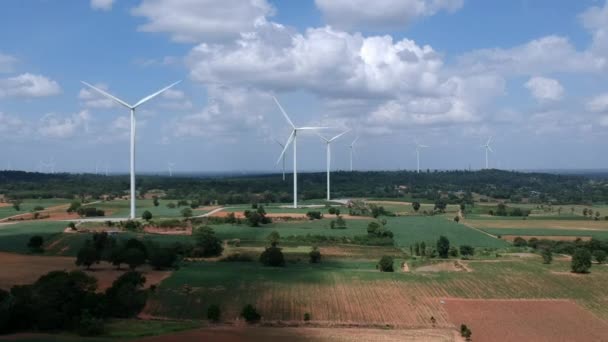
column 14, row 237
column 598, row 234
column 121, row 208
column 28, row 205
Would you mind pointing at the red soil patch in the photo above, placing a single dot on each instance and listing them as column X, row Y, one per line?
column 526, row 320
column 546, row 237
column 168, row 231
column 18, row 269
column 4, row 204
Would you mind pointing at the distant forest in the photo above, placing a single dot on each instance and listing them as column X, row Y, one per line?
column 425, row 186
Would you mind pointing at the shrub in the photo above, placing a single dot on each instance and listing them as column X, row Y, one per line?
column 315, row 255
column 162, row 257
column 520, row 242
column 273, row 238
column 456, row 219
column 372, row 227
column 331, row 210
column 467, row 251
column 72, row 225
column 87, row 256
column 237, row 257
column 35, row 244
column 453, row 251
column 386, row 264
column 171, row 205
column 209, row 244
column 74, row 206
column 213, row 313
column 134, row 257
column 314, row 215
column 600, row 256
column 186, row 212
column 547, row 255
column 38, row 208
column 581, row 260
column 306, row 316
column 250, row 314
column 443, row 247
column 126, row 298
column 465, row 332
column 90, row 325
column 147, row 215
column 272, row 256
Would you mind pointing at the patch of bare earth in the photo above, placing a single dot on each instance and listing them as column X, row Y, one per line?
column 549, row 224
column 300, row 334
column 526, row 320
column 168, row 231
column 448, row 266
column 18, row 269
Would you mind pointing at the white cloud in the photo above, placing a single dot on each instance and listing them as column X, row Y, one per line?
column 595, row 19
column 92, row 99
column 54, row 126
column 545, row 89
column 103, row 5
column 381, row 14
column 172, row 94
column 545, row 55
column 604, row 121
column 598, row 104
column 28, row 85
column 7, row 63
column 202, row 20
column 11, row 126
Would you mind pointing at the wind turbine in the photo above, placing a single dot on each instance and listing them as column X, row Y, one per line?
column 132, row 109
column 418, row 147
column 328, row 144
column 352, row 146
column 488, row 148
column 170, row 166
column 282, row 147
column 293, row 137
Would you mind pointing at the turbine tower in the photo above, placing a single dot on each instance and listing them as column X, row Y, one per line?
column 282, row 147
column 170, row 166
column 132, row 109
column 328, row 144
column 418, row 147
column 293, row 137
column 352, row 146
column 488, row 148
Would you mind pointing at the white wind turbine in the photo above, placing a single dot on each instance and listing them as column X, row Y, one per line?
column 328, row 144
column 170, row 166
column 293, row 137
column 487, row 148
column 418, row 147
column 132, row 109
column 352, row 147
column 282, row 147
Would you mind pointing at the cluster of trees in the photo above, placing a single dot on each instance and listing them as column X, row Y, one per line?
column 442, row 249
column 361, row 208
column 257, row 216
column 583, row 252
column 63, row 300
column 503, row 210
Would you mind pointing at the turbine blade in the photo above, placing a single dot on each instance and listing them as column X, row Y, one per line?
column 116, row 99
column 324, row 138
column 310, row 128
column 284, row 113
column 490, row 149
column 489, row 140
column 339, row 135
column 150, row 97
column 278, row 142
column 289, row 140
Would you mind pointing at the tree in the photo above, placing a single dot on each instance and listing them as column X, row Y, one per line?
column 87, row 256
column 466, row 251
column 465, row 332
column 456, row 218
column 35, row 244
column 17, row 205
column 155, row 201
column 126, row 297
column 272, row 256
column 250, row 314
column 417, row 248
column 74, row 206
column 186, row 212
column 273, row 238
column 416, row 206
column 147, row 215
column 443, row 247
column 520, row 242
column 213, row 313
column 314, row 215
column 600, row 256
column 423, row 248
column 209, row 244
column 315, row 255
column 547, row 255
column 134, row 257
column 386, row 264
column 440, row 205
column 162, row 257
column 581, row 260
column 171, row 205
column 372, row 227
column 453, row 251
column 340, row 222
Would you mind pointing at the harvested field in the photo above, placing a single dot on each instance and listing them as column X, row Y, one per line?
column 526, row 320
column 308, row 334
column 20, row 269
column 547, row 224
column 448, row 266
column 546, row 237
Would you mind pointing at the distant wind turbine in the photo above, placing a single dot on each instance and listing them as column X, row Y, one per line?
column 170, row 166
column 293, row 137
column 328, row 144
column 132, row 109
column 418, row 147
column 352, row 147
column 282, row 147
column 488, row 148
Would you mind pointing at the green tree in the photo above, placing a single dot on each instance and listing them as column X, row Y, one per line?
column 456, row 218
column 372, row 228
column 467, row 251
column 35, row 244
column 186, row 212
column 581, row 260
column 600, row 256
column 547, row 255
column 443, row 247
column 209, row 244
column 213, row 313
column 272, row 256
column 155, row 201
column 134, row 257
column 126, row 297
column 87, row 256
column 17, row 205
column 386, row 264
column 416, row 206
column 147, row 215
column 273, row 238
column 520, row 242
column 162, row 257
column 171, row 205
column 315, row 255
column 250, row 314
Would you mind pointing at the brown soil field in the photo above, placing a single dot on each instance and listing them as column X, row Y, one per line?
column 18, row 269
column 526, row 320
column 408, row 204
column 5, row 204
column 549, row 224
column 547, row 237
column 308, row 334
column 449, row 266
column 165, row 231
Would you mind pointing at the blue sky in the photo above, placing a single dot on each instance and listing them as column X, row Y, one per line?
column 450, row 73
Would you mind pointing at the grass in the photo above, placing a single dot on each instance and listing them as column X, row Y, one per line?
column 141, row 328
column 121, row 208
column 27, row 205
column 598, row 234
column 14, row 237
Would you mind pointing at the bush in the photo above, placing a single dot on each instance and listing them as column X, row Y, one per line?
column 581, row 260
column 237, row 257
column 465, row 332
column 162, row 257
column 466, row 251
column 306, row 317
column 213, row 313
column 272, row 256
column 186, row 212
column 456, row 219
column 273, row 238
column 250, row 314
column 453, row 251
column 134, row 257
column 314, row 215
column 600, row 256
column 171, row 205
column 90, row 325
column 547, row 255
column 38, row 208
column 315, row 255
column 331, row 210
column 87, row 256
column 126, row 298
column 520, row 242
column 147, row 215
column 35, row 244
column 386, row 264
column 372, row 227
column 443, row 247
column 209, row 245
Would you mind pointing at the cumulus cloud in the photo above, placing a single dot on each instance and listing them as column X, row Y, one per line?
column 103, row 5
column 545, row 89
column 381, row 14
column 28, row 85
column 598, row 104
column 55, row 126
column 11, row 126
column 7, row 63
column 202, row 20
column 595, row 19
